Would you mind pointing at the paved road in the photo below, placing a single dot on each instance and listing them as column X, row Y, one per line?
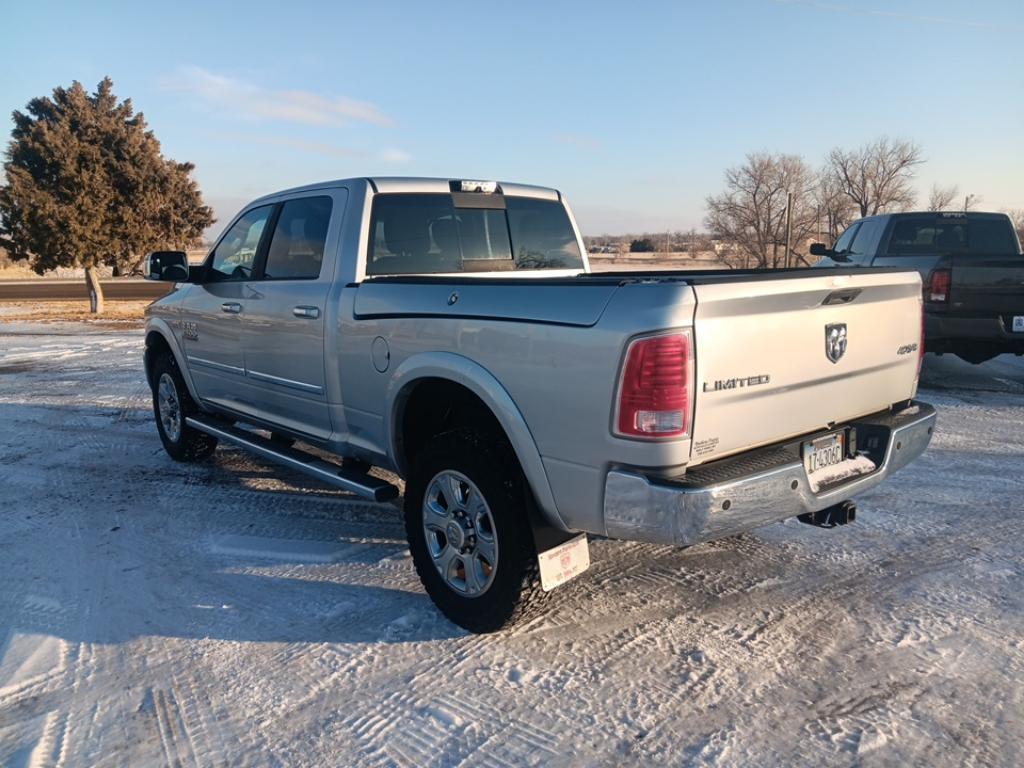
column 122, row 289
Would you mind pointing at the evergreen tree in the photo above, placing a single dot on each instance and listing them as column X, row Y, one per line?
column 88, row 186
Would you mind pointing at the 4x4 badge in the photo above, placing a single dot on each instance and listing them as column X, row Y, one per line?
column 835, row 341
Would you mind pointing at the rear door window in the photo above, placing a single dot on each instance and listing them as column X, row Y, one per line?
column 297, row 247
column 428, row 234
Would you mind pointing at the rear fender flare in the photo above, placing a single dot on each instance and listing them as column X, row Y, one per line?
column 482, row 383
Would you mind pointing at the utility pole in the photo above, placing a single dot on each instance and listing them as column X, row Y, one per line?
column 967, row 202
column 789, row 226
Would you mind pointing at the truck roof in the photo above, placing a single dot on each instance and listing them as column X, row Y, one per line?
column 386, row 184
column 945, row 214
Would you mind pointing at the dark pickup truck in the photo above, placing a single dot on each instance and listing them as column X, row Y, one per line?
column 971, row 267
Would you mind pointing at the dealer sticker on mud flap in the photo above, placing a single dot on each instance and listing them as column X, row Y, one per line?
column 564, row 562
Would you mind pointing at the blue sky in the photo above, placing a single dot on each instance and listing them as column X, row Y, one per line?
column 632, row 109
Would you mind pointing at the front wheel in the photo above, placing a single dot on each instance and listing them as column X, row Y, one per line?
column 171, row 404
column 468, row 531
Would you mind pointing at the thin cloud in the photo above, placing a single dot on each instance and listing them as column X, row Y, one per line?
column 253, row 101
column 390, row 155
column 838, row 8
column 396, row 156
column 578, row 141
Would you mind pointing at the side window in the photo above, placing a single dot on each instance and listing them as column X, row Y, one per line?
column 865, row 241
column 297, row 246
column 843, row 243
column 235, row 254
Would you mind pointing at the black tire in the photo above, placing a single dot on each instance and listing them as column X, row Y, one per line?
column 188, row 444
column 515, row 593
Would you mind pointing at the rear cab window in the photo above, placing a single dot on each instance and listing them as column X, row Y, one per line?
column 952, row 233
column 434, row 233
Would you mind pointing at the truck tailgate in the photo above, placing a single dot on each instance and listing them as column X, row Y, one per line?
column 988, row 284
column 763, row 370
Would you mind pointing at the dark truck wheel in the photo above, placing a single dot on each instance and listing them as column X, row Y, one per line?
column 171, row 404
column 468, row 531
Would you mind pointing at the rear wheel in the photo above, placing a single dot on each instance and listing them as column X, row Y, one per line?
column 171, row 405
column 468, row 531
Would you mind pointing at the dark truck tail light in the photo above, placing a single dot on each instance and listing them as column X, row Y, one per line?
column 654, row 391
column 937, row 290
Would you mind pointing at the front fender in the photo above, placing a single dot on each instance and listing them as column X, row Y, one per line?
column 482, row 383
column 161, row 326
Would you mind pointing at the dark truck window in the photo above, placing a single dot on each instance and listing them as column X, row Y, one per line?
column 426, row 233
column 952, row 233
column 866, row 241
column 928, row 234
column 843, row 243
column 990, row 234
column 297, row 247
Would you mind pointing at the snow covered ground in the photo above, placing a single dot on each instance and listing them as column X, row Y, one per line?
column 231, row 613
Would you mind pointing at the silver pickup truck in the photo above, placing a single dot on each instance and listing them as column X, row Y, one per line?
column 450, row 332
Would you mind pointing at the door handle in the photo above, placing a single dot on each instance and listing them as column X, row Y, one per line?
column 310, row 312
column 232, row 307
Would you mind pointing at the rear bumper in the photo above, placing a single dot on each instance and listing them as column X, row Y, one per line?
column 761, row 487
column 944, row 332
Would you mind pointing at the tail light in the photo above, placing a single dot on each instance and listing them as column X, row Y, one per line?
column 938, row 286
column 654, row 391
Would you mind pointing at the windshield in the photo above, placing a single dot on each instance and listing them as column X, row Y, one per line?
column 427, row 233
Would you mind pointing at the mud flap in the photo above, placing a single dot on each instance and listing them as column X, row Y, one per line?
column 561, row 555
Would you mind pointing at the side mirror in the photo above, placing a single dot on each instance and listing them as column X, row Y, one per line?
column 171, row 266
column 820, row 249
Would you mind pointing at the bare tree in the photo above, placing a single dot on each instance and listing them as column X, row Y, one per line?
column 877, row 176
column 751, row 212
column 834, row 208
column 1017, row 217
column 941, row 198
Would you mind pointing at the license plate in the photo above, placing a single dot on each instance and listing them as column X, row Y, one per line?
column 1018, row 323
column 564, row 562
column 824, row 452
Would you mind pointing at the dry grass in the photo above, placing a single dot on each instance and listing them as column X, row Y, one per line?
column 120, row 313
column 19, row 272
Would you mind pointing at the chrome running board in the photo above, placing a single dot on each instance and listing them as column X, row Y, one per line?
column 356, row 482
